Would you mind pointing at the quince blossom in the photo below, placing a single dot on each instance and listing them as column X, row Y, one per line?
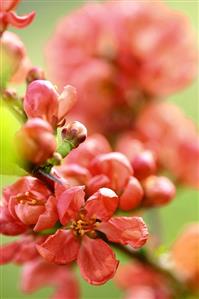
column 80, row 237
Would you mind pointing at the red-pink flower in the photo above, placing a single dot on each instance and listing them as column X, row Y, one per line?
column 43, row 101
column 38, row 273
column 30, row 202
column 133, row 54
column 14, row 61
column 35, row 141
column 142, row 282
column 9, row 17
column 79, row 239
column 174, row 138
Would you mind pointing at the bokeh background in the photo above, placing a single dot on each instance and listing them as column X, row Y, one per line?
column 184, row 209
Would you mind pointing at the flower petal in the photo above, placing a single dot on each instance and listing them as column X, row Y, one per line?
column 102, row 204
column 66, row 101
column 132, row 195
column 49, row 217
column 8, row 225
column 115, row 166
column 76, row 172
column 8, row 252
column 97, row 182
column 19, row 21
column 29, row 214
column 125, row 230
column 69, row 203
column 96, row 260
column 60, row 248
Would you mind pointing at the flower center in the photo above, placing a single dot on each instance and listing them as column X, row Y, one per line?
column 84, row 225
column 28, row 197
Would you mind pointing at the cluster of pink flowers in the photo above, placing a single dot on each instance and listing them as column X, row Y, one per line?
column 130, row 61
column 82, row 199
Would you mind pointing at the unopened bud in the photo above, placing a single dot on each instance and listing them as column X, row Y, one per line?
column 75, row 132
column 35, row 73
column 35, row 141
column 144, row 164
column 158, row 191
column 132, row 195
column 12, row 56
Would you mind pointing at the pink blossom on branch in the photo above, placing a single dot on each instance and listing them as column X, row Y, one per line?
column 30, row 202
column 79, row 238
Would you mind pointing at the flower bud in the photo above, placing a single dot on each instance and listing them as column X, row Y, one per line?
column 35, row 141
column 35, row 73
column 75, row 132
column 158, row 191
column 13, row 58
column 42, row 100
column 132, row 195
column 144, row 165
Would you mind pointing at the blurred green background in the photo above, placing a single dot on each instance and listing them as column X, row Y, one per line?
column 182, row 210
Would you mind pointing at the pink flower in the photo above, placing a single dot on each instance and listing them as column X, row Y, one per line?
column 43, row 101
column 20, row 251
column 14, row 62
column 137, row 55
column 174, row 138
column 79, row 239
column 184, row 253
column 142, row 282
column 38, row 273
column 30, row 202
column 35, row 141
column 9, row 17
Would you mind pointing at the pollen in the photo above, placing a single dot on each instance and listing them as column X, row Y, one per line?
column 83, row 226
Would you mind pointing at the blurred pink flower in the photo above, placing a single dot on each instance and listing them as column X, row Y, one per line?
column 184, row 253
column 142, row 282
column 38, row 273
column 20, row 251
column 174, row 139
column 118, row 55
